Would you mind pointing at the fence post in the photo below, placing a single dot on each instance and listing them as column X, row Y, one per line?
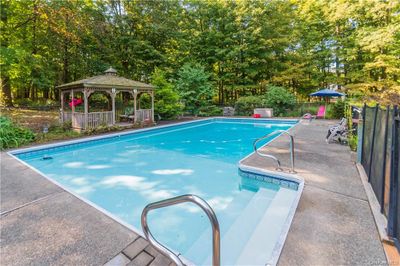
column 384, row 159
column 372, row 143
column 363, row 131
column 394, row 178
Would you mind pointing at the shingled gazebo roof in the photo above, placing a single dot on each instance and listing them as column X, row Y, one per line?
column 109, row 79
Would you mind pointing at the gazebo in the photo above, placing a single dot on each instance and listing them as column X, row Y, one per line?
column 111, row 84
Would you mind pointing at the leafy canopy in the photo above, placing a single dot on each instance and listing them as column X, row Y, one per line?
column 280, row 99
column 167, row 103
column 194, row 87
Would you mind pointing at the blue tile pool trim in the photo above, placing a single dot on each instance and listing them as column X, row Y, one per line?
column 269, row 179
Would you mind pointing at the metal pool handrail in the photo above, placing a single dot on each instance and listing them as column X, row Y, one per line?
column 273, row 157
column 174, row 201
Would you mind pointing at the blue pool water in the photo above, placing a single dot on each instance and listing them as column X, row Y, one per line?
column 124, row 173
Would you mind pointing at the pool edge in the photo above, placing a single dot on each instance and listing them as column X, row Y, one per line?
column 279, row 245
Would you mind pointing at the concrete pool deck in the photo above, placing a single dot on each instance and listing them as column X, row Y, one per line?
column 333, row 223
column 42, row 224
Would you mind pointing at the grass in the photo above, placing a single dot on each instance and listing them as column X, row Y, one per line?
column 32, row 119
column 31, row 124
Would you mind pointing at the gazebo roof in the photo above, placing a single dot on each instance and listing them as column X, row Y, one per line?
column 109, row 79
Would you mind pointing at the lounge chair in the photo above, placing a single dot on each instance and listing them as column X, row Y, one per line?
column 308, row 116
column 337, row 131
column 321, row 112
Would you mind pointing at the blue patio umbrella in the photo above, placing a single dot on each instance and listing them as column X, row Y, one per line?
column 327, row 93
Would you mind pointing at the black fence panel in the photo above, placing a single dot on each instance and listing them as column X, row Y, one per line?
column 377, row 164
column 394, row 204
column 380, row 157
column 388, row 159
column 368, row 131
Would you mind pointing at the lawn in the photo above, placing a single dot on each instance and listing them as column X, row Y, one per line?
column 32, row 119
column 36, row 121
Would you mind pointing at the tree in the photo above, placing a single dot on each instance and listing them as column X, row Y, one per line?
column 194, row 87
column 166, row 101
column 242, row 45
column 279, row 99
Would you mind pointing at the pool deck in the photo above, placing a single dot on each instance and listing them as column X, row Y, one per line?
column 333, row 224
column 42, row 224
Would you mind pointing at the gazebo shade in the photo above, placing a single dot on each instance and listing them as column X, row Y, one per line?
column 112, row 84
column 327, row 93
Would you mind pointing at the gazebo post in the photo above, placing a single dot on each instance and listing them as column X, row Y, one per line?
column 62, row 106
column 113, row 93
column 152, row 106
column 72, row 108
column 86, row 105
column 134, row 105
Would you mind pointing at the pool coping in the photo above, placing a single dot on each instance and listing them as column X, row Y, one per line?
column 292, row 177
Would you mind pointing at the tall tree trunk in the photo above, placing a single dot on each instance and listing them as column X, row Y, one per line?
column 6, row 89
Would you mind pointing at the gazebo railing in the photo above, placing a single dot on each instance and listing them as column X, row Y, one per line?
column 66, row 116
column 144, row 115
column 96, row 119
column 78, row 120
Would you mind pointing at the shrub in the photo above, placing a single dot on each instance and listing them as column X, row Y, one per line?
column 338, row 109
column 12, row 135
column 353, row 141
column 40, row 103
column 211, row 110
column 194, row 87
column 166, row 103
column 102, row 129
column 280, row 99
column 245, row 105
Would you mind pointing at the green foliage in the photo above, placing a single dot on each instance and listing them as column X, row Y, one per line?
column 280, row 99
column 12, row 136
column 99, row 101
column 353, row 142
column 297, row 44
column 38, row 103
column 245, row 105
column 194, row 87
column 102, row 129
column 166, row 103
column 210, row 110
column 338, row 109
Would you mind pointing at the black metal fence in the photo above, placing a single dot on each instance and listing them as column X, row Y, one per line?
column 380, row 154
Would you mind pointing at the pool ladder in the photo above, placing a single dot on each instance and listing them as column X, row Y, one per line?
column 273, row 157
column 216, row 260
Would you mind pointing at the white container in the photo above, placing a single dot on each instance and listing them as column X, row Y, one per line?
column 264, row 112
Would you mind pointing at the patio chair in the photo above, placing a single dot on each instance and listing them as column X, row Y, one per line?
column 321, row 112
column 338, row 131
column 128, row 114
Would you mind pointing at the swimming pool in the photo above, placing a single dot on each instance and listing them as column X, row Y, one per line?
column 122, row 173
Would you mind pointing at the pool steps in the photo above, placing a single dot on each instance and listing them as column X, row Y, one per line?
column 238, row 234
column 256, row 253
column 202, row 247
